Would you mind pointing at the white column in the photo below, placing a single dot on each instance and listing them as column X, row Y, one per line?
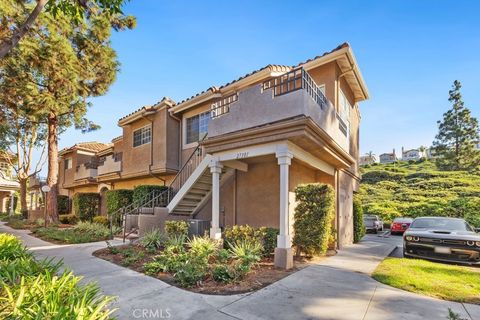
column 216, row 170
column 12, row 202
column 284, row 160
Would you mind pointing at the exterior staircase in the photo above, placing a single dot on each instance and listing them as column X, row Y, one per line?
column 196, row 191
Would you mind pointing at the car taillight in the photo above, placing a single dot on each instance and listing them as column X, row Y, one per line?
column 477, row 243
column 470, row 243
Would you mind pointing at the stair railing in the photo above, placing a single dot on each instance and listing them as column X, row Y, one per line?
column 186, row 171
column 158, row 198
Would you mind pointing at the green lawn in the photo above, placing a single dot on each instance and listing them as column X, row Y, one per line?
column 443, row 281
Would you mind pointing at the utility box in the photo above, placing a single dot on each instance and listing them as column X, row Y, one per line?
column 198, row 227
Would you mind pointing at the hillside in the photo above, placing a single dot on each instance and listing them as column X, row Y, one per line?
column 419, row 189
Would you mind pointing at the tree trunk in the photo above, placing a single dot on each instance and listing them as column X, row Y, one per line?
column 8, row 44
column 52, row 176
column 23, row 196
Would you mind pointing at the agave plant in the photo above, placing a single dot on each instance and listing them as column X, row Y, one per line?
column 153, row 239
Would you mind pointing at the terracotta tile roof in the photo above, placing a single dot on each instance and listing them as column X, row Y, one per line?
column 92, row 146
column 148, row 108
column 273, row 67
column 343, row 45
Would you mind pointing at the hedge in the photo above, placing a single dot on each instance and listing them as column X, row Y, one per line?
column 63, row 204
column 86, row 205
column 358, row 226
column 141, row 192
column 314, row 216
column 117, row 199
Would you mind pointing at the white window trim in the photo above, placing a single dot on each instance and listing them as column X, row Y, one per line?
column 186, row 145
column 141, row 128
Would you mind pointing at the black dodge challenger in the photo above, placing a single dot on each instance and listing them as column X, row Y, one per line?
column 442, row 239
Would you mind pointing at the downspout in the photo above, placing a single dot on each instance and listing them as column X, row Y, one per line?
column 181, row 138
column 337, row 205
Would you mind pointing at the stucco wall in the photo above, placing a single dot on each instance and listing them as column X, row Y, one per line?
column 346, row 186
column 256, row 200
column 161, row 153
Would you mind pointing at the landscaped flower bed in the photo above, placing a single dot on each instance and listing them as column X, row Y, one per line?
column 81, row 233
column 31, row 289
column 201, row 264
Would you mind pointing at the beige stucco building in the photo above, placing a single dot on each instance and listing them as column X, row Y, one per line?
column 234, row 154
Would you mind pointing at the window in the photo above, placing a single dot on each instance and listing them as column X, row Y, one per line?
column 142, row 136
column 197, row 127
column 67, row 163
column 344, row 106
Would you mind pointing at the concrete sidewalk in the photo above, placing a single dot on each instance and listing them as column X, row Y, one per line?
column 338, row 287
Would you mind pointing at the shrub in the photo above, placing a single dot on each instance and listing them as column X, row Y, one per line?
column 31, row 289
column 68, row 218
column 95, row 229
column 101, row 220
column 49, row 296
column 187, row 268
column 240, row 233
column 221, row 273
column 358, row 226
column 63, row 204
column 176, row 227
column 153, row 239
column 141, row 192
column 237, row 234
column 86, row 205
column 268, row 239
column 11, row 247
column 40, row 222
column 314, row 215
column 82, row 233
column 117, row 199
column 191, row 269
column 247, row 252
column 203, row 246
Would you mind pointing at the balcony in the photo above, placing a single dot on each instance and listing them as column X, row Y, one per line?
column 87, row 170
column 36, row 182
column 288, row 96
column 110, row 164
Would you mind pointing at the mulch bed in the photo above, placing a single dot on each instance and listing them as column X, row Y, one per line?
column 262, row 275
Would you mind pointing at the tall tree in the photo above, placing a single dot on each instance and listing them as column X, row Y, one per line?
column 65, row 64
column 15, row 27
column 458, row 135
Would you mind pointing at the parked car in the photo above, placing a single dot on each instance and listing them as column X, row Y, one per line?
column 400, row 225
column 442, row 239
column 373, row 223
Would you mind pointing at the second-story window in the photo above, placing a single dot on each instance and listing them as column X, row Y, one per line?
column 142, row 136
column 197, row 127
column 67, row 163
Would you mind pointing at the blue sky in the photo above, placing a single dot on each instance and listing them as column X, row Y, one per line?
column 410, row 52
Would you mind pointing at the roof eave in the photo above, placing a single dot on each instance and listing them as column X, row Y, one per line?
column 333, row 56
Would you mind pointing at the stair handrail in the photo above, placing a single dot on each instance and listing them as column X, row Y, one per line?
column 178, row 181
column 151, row 199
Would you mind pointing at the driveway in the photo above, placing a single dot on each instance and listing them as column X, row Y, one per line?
column 338, row 287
